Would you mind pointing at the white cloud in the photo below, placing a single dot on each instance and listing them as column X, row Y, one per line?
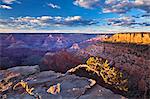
column 129, row 21
column 44, row 22
column 54, row 6
column 117, row 6
column 122, row 21
column 8, row 1
column 74, row 24
column 122, row 6
column 114, row 6
column 142, row 2
column 110, row 1
column 139, row 2
column 112, row 10
column 74, row 18
column 44, row 18
column 88, row 4
column 5, row 7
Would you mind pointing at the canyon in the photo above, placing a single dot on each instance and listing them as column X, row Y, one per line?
column 129, row 52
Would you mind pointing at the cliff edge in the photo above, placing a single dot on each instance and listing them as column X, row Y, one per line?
column 138, row 38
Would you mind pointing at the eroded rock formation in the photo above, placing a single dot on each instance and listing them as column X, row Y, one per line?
column 71, row 86
column 133, row 58
column 138, row 38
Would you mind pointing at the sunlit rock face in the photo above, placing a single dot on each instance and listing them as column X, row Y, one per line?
column 138, row 38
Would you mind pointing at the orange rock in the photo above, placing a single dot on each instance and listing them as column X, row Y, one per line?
column 54, row 89
column 138, row 38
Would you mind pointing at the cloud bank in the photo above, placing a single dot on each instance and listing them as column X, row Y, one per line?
column 44, row 21
column 114, row 6
column 88, row 4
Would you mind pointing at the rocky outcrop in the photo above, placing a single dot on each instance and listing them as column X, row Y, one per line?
column 13, row 75
column 132, row 58
column 25, row 70
column 6, row 78
column 138, row 38
column 71, row 86
column 60, row 61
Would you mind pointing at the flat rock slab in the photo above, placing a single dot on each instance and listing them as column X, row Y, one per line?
column 98, row 92
column 71, row 87
column 25, row 70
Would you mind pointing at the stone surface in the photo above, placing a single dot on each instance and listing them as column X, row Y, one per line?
column 25, row 70
column 138, row 38
column 71, row 86
column 133, row 58
column 6, row 79
column 60, row 61
column 98, row 92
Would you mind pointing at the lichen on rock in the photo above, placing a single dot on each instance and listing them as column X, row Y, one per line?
column 110, row 75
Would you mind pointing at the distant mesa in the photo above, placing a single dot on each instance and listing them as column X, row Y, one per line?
column 138, row 38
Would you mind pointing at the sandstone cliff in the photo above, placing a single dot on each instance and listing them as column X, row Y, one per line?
column 138, row 38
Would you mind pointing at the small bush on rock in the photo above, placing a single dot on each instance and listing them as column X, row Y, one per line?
column 110, row 75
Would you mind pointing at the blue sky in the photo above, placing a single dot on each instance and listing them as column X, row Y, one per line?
column 77, row 16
